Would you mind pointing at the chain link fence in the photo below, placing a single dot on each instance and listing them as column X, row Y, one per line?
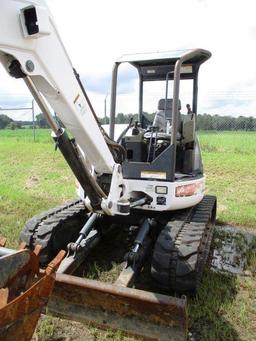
column 227, row 134
column 218, row 123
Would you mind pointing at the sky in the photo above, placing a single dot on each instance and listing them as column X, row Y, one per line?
column 96, row 33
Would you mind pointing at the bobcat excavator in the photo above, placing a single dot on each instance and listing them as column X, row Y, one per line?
column 150, row 180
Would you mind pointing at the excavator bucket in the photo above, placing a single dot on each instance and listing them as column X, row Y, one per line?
column 24, row 291
column 147, row 315
column 141, row 313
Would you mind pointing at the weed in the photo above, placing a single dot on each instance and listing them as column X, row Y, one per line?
column 45, row 329
column 251, row 256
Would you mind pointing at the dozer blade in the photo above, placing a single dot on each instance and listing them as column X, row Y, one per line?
column 24, row 292
column 148, row 315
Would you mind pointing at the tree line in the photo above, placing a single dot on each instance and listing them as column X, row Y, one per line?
column 230, row 123
column 204, row 122
column 8, row 123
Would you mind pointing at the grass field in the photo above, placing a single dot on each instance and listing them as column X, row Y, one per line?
column 230, row 166
column 34, row 177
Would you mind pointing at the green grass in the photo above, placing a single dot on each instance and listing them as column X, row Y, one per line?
column 26, row 135
column 243, row 143
column 230, row 167
column 34, row 177
column 224, row 308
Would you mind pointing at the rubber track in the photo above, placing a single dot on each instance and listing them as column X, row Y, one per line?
column 182, row 248
column 54, row 229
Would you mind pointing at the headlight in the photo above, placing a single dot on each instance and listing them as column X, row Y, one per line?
column 189, row 190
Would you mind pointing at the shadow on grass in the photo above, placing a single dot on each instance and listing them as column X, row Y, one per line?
column 104, row 263
column 206, row 310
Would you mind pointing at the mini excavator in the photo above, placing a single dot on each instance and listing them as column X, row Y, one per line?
column 150, row 178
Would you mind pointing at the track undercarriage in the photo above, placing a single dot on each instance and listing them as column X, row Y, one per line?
column 180, row 240
column 173, row 247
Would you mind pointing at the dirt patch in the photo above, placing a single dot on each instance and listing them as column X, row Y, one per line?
column 55, row 329
column 32, row 182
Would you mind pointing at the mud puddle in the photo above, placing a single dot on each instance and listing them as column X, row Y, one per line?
column 232, row 249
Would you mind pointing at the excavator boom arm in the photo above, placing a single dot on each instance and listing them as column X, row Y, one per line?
column 31, row 48
column 29, row 36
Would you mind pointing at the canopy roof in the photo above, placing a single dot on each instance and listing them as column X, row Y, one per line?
column 162, row 58
column 154, row 66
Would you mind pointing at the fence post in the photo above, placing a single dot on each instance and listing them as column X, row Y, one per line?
column 33, row 118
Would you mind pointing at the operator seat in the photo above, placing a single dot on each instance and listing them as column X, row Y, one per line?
column 164, row 113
